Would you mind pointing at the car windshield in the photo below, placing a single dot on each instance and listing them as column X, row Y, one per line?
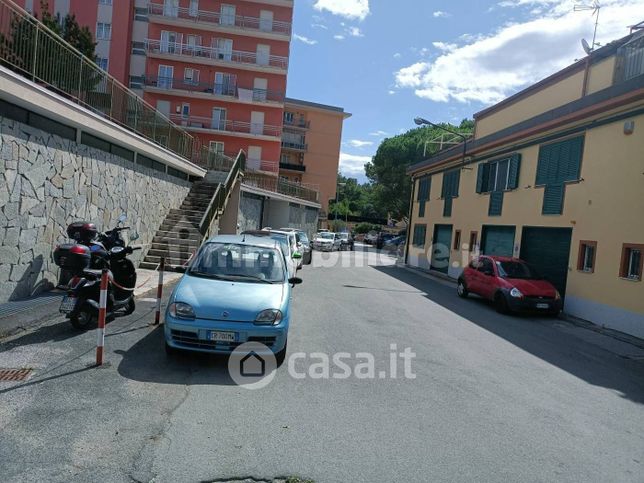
column 326, row 235
column 303, row 238
column 344, row 236
column 226, row 261
column 517, row 270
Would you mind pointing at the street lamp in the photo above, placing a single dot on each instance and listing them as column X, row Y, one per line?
column 420, row 121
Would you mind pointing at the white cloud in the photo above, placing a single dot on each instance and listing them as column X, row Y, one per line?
column 338, row 37
column 319, row 26
column 397, row 55
column 379, row 133
column 357, row 143
column 352, row 9
column 304, row 39
column 441, row 14
column 355, row 32
column 352, row 165
column 489, row 68
column 391, row 92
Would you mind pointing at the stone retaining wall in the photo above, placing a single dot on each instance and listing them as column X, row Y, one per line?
column 46, row 182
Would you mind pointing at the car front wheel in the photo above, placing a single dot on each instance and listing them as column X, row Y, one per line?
column 461, row 289
column 501, row 304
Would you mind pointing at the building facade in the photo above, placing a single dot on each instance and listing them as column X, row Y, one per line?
column 311, row 141
column 555, row 176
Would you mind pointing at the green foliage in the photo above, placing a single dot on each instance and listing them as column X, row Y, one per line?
column 387, row 171
column 366, row 228
column 355, row 199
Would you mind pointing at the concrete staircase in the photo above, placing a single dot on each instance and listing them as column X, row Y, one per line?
column 178, row 236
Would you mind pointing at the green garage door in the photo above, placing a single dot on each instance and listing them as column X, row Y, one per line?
column 441, row 247
column 548, row 250
column 498, row 240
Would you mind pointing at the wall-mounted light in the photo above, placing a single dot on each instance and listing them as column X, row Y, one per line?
column 629, row 127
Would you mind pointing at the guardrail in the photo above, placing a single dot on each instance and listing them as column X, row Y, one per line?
column 227, row 90
column 31, row 49
column 223, row 20
column 218, row 201
column 153, row 46
column 293, row 167
column 244, row 127
column 297, row 123
column 295, row 146
column 262, row 165
column 280, row 186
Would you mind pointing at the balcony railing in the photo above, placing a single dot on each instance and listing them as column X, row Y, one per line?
column 294, row 146
column 257, row 129
column 262, row 165
column 281, row 186
column 153, row 46
column 293, row 167
column 226, row 90
column 216, row 18
column 299, row 123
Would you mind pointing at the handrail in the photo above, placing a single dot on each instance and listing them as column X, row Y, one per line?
column 241, row 21
column 281, row 186
column 30, row 48
column 224, row 90
column 155, row 46
column 218, row 201
column 245, row 127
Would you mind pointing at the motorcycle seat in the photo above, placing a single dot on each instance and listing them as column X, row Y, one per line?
column 93, row 273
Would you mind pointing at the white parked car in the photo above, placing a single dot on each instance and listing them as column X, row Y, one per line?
column 293, row 242
column 291, row 257
column 326, row 241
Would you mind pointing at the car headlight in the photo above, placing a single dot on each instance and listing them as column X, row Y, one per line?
column 181, row 311
column 516, row 293
column 268, row 317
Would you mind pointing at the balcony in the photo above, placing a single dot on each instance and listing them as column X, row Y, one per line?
column 209, row 19
column 277, row 185
column 221, row 91
column 225, row 126
column 262, row 166
column 297, row 123
column 291, row 146
column 293, row 167
column 214, row 55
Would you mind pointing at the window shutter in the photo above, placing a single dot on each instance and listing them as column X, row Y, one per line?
column 447, row 208
column 553, row 199
column 480, row 177
column 513, row 175
column 419, row 189
column 456, row 179
column 545, row 153
column 496, row 203
column 571, row 159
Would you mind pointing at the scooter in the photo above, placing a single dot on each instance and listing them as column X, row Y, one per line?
column 86, row 263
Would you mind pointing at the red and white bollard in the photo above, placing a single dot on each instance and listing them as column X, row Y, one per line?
column 102, row 313
column 157, row 316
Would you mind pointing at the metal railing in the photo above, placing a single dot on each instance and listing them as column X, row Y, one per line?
column 297, row 123
column 224, row 89
column 277, row 185
column 293, row 167
column 257, row 129
column 153, row 46
column 223, row 20
column 295, row 146
column 219, row 199
column 31, row 49
column 262, row 165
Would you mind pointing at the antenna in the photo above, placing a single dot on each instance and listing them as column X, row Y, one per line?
column 594, row 8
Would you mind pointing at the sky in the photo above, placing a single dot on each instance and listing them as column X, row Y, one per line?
column 388, row 61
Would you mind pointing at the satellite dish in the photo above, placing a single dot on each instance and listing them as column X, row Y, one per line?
column 586, row 47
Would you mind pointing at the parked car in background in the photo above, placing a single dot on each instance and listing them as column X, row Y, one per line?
column 235, row 290
column 371, row 237
column 292, row 239
column 395, row 244
column 382, row 238
column 303, row 244
column 326, row 241
column 512, row 284
column 291, row 258
column 346, row 241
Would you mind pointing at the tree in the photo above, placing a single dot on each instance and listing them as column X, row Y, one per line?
column 388, row 169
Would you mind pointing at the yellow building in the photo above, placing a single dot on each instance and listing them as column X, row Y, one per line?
column 555, row 176
column 311, row 147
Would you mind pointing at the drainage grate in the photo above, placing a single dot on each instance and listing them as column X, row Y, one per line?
column 15, row 374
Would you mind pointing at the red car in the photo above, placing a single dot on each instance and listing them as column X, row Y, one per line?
column 511, row 283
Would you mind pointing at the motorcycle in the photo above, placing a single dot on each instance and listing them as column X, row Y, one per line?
column 85, row 260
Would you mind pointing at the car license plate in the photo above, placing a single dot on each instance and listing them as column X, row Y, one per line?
column 223, row 336
column 543, row 306
column 68, row 304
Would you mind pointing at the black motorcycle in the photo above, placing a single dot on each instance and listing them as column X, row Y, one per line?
column 85, row 260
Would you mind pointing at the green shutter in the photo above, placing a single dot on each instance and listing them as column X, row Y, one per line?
column 447, row 208
column 513, row 175
column 420, row 232
column 419, row 188
column 553, row 196
column 480, row 177
column 496, row 203
column 571, row 159
column 456, row 179
column 421, row 208
column 545, row 154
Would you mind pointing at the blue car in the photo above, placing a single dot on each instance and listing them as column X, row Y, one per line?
column 236, row 290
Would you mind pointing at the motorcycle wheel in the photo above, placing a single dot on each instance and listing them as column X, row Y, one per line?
column 131, row 306
column 84, row 319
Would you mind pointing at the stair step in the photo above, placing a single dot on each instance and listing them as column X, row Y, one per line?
column 190, row 234
column 175, row 239
column 170, row 254
column 168, row 260
column 185, row 212
column 181, row 245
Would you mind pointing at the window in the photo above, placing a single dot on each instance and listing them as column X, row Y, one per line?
column 224, row 49
column 457, row 240
column 486, row 266
column 420, row 232
column 185, row 110
column 424, row 185
column 193, row 9
column 166, row 72
column 227, row 15
column 559, row 163
column 285, row 159
column 449, row 190
column 288, row 117
column 102, row 63
column 216, row 147
column 632, row 261
column 586, row 258
column 474, row 236
column 225, row 84
column 191, row 76
column 103, row 31
column 105, row 2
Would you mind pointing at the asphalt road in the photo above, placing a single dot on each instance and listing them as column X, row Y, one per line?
column 494, row 398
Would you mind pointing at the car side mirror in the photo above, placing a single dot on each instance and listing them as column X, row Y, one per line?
column 294, row 281
column 296, row 255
